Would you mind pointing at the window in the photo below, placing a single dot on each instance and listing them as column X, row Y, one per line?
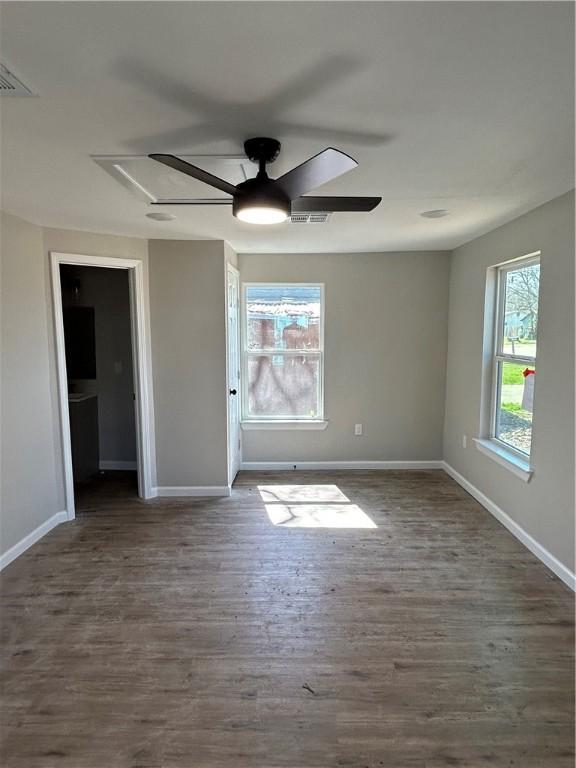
column 283, row 352
column 514, row 360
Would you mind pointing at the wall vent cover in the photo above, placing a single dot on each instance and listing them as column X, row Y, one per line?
column 310, row 218
column 10, row 85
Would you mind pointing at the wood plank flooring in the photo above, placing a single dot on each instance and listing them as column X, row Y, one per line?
column 194, row 633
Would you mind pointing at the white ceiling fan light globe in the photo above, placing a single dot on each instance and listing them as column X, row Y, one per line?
column 262, row 215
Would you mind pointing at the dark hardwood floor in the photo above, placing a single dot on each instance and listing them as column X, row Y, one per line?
column 194, row 633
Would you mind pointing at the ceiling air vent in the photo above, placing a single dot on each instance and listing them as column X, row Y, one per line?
column 10, row 85
column 310, row 218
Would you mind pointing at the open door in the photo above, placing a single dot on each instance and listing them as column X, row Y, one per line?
column 141, row 368
column 233, row 327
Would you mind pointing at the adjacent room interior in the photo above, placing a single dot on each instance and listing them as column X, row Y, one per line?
column 287, row 385
column 97, row 331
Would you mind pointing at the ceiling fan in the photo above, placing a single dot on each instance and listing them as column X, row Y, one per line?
column 263, row 200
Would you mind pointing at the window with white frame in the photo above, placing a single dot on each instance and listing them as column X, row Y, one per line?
column 283, row 351
column 514, row 360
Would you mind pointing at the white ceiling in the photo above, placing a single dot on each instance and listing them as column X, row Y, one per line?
column 457, row 105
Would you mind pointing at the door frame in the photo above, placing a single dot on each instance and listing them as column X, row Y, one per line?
column 140, row 360
column 231, row 268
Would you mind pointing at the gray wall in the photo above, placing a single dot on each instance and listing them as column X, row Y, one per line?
column 31, row 479
column 107, row 290
column 187, row 303
column 545, row 506
column 32, row 482
column 385, row 355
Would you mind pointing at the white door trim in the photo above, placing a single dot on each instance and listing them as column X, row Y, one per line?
column 231, row 268
column 142, row 383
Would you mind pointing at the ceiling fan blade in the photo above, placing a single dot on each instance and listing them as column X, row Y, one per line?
column 197, row 173
column 325, row 166
column 334, row 204
column 196, row 201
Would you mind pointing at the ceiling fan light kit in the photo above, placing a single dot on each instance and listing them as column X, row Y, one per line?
column 261, row 214
column 263, row 200
column 258, row 200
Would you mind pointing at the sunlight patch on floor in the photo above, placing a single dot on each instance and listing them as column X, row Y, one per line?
column 312, row 506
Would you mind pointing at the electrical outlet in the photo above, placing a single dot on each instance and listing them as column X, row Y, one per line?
column 464, row 441
column 358, row 429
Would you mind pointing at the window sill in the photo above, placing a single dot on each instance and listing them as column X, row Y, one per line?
column 518, row 466
column 251, row 425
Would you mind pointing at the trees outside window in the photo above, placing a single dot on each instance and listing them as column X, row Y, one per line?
column 514, row 359
column 283, row 352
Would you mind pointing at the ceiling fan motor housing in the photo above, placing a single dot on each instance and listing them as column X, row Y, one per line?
column 260, row 192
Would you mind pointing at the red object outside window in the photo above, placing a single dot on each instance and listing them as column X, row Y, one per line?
column 527, row 372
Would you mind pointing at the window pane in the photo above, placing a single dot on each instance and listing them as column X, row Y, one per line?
column 521, row 310
column 514, row 411
column 283, row 385
column 283, row 317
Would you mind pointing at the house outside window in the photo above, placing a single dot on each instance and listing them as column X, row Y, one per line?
column 515, row 354
column 283, row 352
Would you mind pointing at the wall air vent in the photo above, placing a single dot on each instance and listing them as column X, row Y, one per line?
column 10, row 85
column 310, row 218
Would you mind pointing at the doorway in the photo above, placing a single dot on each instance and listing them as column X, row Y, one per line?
column 233, row 365
column 100, row 380
column 102, row 377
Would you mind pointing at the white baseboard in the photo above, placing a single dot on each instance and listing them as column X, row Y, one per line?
column 112, row 464
column 32, row 538
column 549, row 560
column 251, row 466
column 192, row 490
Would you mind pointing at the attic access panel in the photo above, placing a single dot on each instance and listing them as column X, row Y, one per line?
column 152, row 182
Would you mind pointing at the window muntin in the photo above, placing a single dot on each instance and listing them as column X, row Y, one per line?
column 283, row 351
column 518, row 286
